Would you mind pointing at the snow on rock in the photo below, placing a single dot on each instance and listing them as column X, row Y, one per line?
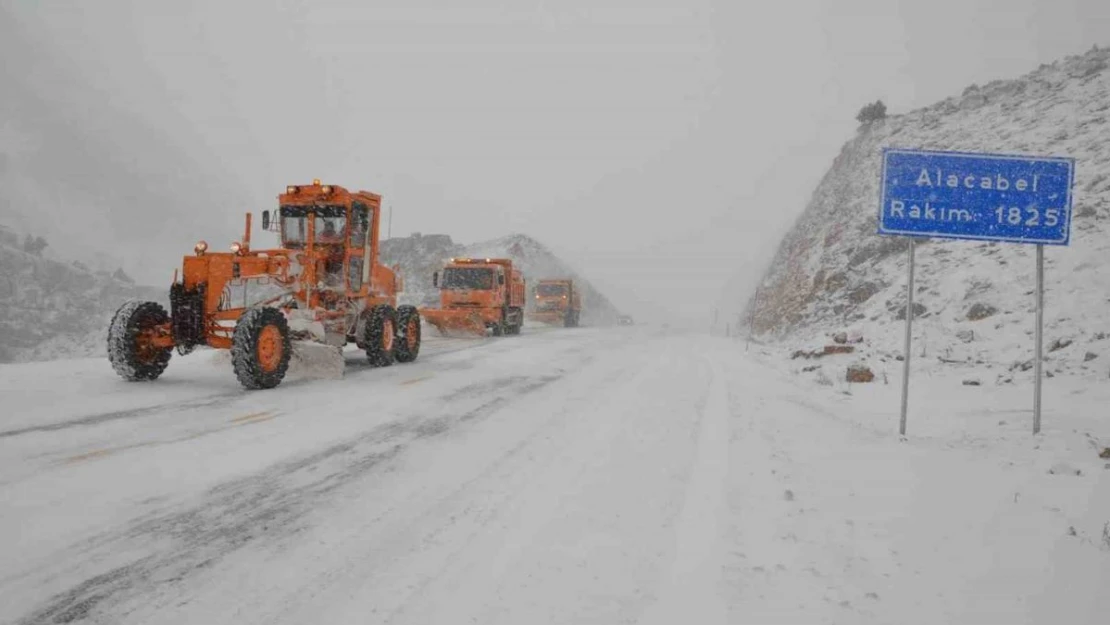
column 53, row 309
column 420, row 255
column 974, row 301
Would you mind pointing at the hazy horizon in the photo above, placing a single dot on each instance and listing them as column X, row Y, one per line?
column 661, row 148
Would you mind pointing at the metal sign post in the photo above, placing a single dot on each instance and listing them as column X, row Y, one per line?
column 984, row 197
column 1040, row 342
column 909, row 339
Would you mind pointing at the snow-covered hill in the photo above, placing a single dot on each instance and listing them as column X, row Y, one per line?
column 53, row 309
column 419, row 256
column 974, row 300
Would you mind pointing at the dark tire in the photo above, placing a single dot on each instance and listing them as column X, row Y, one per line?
column 498, row 328
column 570, row 320
column 131, row 358
column 407, row 346
column 379, row 335
column 261, row 348
column 514, row 328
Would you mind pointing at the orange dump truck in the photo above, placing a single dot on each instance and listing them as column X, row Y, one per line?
column 477, row 294
column 557, row 301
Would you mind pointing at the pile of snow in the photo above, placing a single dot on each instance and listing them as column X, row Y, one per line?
column 974, row 301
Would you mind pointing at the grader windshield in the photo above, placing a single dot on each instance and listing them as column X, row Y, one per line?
column 331, row 225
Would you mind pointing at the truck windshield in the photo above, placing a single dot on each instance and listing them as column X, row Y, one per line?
column 331, row 224
column 549, row 290
column 467, row 278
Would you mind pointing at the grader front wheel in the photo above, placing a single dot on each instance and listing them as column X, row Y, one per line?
column 379, row 335
column 260, row 348
column 132, row 349
column 407, row 345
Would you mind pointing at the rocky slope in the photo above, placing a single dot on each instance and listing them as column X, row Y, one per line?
column 50, row 308
column 974, row 300
column 419, row 256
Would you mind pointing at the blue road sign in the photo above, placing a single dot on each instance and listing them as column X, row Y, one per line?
column 986, row 197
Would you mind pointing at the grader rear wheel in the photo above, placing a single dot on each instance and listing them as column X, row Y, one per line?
column 260, row 348
column 131, row 348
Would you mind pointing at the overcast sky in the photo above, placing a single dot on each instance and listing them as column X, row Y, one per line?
column 661, row 147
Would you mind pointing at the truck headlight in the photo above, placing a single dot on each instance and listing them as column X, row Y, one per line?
column 236, row 247
column 200, row 248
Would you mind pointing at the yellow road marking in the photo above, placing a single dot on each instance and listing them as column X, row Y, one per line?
column 415, row 380
column 88, row 456
column 252, row 416
column 263, row 417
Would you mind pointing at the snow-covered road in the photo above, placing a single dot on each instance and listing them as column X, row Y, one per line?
column 563, row 476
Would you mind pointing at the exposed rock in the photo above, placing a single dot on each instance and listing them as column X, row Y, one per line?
column 860, row 374
column 1059, row 344
column 966, row 336
column 840, row 338
column 836, row 282
column 863, row 292
column 972, row 383
column 1089, row 356
column 980, row 311
column 900, row 311
column 1105, row 453
column 828, row 350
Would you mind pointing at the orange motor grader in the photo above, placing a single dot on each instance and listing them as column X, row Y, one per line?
column 477, row 294
column 323, row 285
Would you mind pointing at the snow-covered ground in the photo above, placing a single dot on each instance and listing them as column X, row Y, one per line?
column 564, row 476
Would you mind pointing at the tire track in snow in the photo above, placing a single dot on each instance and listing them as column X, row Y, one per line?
column 267, row 506
column 355, row 369
column 446, row 541
column 692, row 590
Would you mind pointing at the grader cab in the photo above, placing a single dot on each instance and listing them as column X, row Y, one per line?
column 323, row 286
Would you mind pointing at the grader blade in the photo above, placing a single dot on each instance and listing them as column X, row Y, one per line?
column 455, row 323
column 311, row 359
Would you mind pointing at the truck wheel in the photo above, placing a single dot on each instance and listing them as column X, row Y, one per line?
column 379, row 335
column 568, row 320
column 498, row 328
column 518, row 321
column 130, row 350
column 408, row 334
column 261, row 348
